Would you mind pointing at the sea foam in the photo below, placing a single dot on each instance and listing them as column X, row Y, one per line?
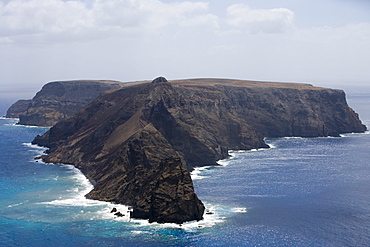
column 198, row 172
column 214, row 214
column 100, row 210
column 83, row 186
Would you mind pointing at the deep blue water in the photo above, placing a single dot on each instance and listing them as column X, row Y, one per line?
column 300, row 192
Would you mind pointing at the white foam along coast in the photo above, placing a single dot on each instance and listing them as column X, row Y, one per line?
column 100, row 210
column 83, row 208
column 37, row 150
column 199, row 172
column 214, row 214
column 34, row 147
column 10, row 121
column 6, row 118
column 239, row 210
column 15, row 121
column 76, row 197
column 94, row 209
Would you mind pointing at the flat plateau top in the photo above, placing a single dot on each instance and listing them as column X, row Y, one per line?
column 230, row 82
column 240, row 83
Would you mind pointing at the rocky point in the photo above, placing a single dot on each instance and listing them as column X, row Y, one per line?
column 138, row 143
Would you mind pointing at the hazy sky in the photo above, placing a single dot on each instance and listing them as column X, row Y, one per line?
column 324, row 42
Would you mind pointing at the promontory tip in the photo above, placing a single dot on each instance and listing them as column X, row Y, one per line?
column 160, row 79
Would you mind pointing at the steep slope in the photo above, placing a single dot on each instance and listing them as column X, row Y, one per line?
column 18, row 108
column 138, row 143
column 115, row 144
column 58, row 100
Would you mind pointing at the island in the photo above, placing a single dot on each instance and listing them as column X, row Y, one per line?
column 138, row 143
column 58, row 100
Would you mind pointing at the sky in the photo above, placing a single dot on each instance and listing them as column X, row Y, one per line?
column 322, row 42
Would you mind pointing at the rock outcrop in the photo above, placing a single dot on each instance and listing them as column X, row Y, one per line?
column 137, row 144
column 18, row 108
column 57, row 101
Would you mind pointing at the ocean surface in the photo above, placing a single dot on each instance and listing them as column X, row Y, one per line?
column 300, row 192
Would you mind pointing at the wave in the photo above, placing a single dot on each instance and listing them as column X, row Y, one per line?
column 30, row 126
column 352, row 134
column 198, row 172
column 225, row 162
column 232, row 155
column 101, row 210
column 36, row 149
column 77, row 197
column 236, row 153
column 292, row 137
column 346, row 134
column 270, row 145
column 15, row 121
column 33, row 146
column 214, row 214
column 84, row 208
column 239, row 210
column 9, row 118
column 17, row 204
column 10, row 121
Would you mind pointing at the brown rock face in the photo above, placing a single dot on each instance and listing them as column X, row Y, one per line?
column 138, row 143
column 18, row 108
column 57, row 101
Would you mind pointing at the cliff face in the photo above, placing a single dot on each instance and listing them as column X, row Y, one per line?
column 138, row 143
column 18, row 108
column 57, row 101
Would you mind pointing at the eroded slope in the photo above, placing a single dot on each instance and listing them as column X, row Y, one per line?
column 138, row 144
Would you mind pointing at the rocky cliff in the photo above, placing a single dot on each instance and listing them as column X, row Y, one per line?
column 137, row 144
column 58, row 100
column 18, row 108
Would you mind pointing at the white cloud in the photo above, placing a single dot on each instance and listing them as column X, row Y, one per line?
column 141, row 39
column 183, row 13
column 37, row 16
column 278, row 20
column 73, row 18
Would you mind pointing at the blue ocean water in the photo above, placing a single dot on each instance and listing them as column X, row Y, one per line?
column 300, row 192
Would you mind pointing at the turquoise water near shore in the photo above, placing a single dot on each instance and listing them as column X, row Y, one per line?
column 300, row 192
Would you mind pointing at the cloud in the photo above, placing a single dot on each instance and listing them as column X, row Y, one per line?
column 61, row 21
column 278, row 20
column 126, row 14
column 37, row 20
column 35, row 16
column 54, row 19
column 124, row 40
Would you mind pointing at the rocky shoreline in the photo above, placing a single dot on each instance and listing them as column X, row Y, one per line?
column 57, row 101
column 138, row 143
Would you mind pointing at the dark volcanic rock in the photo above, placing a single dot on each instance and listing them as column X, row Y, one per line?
column 137, row 144
column 119, row 214
column 58, row 100
column 18, row 108
column 159, row 80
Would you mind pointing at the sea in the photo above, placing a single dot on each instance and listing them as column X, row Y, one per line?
column 298, row 192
